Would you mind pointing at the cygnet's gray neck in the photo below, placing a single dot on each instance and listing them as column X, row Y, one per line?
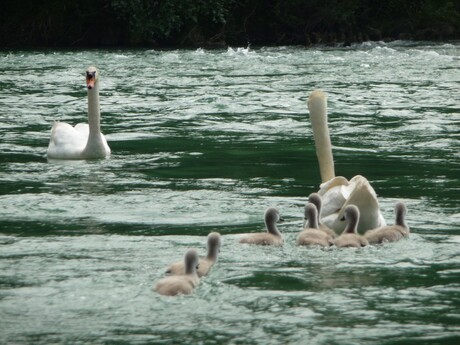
column 272, row 228
column 213, row 252
column 312, row 217
column 190, row 267
column 352, row 226
column 400, row 217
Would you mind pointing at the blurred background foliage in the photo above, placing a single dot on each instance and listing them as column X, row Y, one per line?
column 218, row 23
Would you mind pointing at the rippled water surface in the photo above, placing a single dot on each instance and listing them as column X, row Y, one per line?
column 205, row 141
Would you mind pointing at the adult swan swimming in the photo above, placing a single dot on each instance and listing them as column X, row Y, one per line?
column 336, row 191
column 84, row 141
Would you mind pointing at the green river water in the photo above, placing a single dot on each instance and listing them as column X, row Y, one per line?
column 205, row 141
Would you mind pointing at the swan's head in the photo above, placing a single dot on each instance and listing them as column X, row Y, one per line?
column 272, row 216
column 92, row 75
column 317, row 103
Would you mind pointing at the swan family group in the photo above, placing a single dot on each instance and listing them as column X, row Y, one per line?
column 344, row 213
column 184, row 276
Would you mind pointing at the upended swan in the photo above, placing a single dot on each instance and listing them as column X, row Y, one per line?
column 337, row 192
column 84, row 141
column 350, row 236
column 181, row 284
column 311, row 235
column 205, row 262
column 391, row 233
column 272, row 236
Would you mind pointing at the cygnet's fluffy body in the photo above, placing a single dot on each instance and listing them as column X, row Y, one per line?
column 181, row 284
column 272, row 236
column 205, row 262
column 350, row 236
column 311, row 235
column 316, row 200
column 391, row 233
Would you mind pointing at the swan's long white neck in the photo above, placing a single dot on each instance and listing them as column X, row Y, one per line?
column 94, row 112
column 95, row 145
column 317, row 105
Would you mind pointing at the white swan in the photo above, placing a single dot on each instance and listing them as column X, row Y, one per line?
column 337, row 192
column 350, row 236
column 84, row 141
column 272, row 236
column 181, row 284
column 391, row 233
column 205, row 263
column 311, row 235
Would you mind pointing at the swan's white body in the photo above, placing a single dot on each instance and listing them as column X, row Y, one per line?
column 84, row 141
column 337, row 192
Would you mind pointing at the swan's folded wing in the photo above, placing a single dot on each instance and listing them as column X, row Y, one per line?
column 334, row 194
column 337, row 195
column 66, row 142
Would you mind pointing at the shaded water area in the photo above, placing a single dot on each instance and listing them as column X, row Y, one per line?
column 205, row 141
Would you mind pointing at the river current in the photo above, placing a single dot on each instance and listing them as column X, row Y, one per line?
column 206, row 140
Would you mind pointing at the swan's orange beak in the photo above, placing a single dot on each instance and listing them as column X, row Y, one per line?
column 90, row 79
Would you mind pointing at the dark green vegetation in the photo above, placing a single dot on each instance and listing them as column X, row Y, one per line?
column 216, row 23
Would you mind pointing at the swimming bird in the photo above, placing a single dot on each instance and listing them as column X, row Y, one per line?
column 391, row 233
column 336, row 191
column 311, row 235
column 205, row 262
column 85, row 140
column 272, row 236
column 315, row 199
column 181, row 284
column 350, row 236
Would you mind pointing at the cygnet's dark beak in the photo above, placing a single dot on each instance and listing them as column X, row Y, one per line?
column 342, row 219
column 280, row 220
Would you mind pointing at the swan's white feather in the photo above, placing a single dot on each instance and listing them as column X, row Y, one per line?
column 67, row 142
